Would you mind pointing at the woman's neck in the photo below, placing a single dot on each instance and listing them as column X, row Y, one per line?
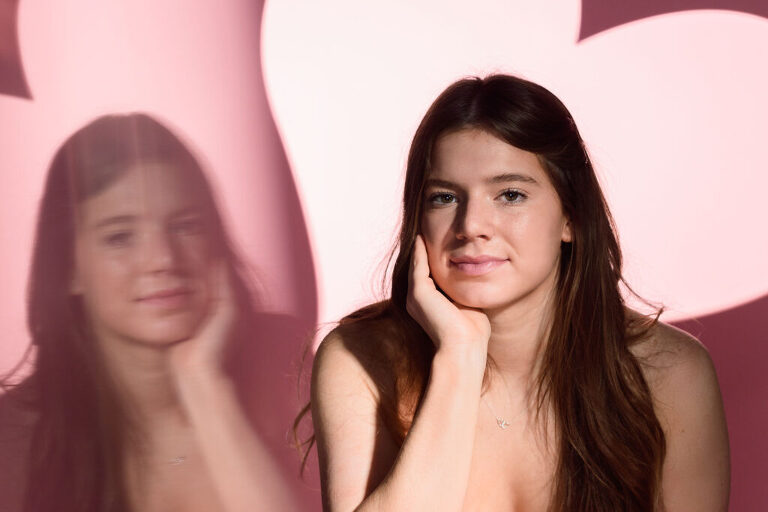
column 519, row 332
column 142, row 380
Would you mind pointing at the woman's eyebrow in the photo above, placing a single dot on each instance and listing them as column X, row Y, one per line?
column 187, row 210
column 499, row 178
column 512, row 176
column 432, row 182
column 116, row 219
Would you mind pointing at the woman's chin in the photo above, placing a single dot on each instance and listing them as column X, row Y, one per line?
column 473, row 299
column 165, row 335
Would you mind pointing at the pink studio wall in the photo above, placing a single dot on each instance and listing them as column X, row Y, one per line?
column 670, row 97
column 196, row 66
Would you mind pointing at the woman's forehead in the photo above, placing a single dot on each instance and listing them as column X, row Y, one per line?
column 154, row 189
column 472, row 155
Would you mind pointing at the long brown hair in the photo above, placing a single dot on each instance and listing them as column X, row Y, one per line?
column 81, row 431
column 610, row 445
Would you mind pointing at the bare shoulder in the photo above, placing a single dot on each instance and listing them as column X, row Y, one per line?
column 675, row 364
column 339, row 359
column 350, row 379
column 356, row 353
column 687, row 400
column 666, row 346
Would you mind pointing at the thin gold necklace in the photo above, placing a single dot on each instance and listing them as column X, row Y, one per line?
column 502, row 423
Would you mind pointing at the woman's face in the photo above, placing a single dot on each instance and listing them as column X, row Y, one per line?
column 492, row 222
column 143, row 255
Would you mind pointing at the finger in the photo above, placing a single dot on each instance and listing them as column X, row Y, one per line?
column 222, row 301
column 412, row 264
column 223, row 282
column 419, row 262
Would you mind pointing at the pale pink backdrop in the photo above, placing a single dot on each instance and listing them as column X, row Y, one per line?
column 670, row 98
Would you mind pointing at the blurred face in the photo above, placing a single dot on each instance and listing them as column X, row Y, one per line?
column 142, row 256
column 492, row 222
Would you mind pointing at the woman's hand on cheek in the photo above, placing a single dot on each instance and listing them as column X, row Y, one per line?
column 451, row 326
column 203, row 354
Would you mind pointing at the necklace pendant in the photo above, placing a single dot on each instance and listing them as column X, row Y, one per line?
column 502, row 423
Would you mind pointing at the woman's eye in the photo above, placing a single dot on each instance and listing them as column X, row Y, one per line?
column 512, row 196
column 119, row 238
column 187, row 227
column 442, row 198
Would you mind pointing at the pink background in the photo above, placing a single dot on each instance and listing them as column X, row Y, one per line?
column 303, row 111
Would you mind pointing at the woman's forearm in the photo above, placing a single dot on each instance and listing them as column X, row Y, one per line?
column 432, row 469
column 243, row 471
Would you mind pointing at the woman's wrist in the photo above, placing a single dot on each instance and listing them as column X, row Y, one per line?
column 200, row 384
column 191, row 365
column 462, row 359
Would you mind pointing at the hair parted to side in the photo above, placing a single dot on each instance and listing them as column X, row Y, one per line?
column 82, row 429
column 610, row 444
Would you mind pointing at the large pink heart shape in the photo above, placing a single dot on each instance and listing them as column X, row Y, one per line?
column 673, row 109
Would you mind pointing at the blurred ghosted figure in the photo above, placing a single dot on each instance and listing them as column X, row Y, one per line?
column 156, row 383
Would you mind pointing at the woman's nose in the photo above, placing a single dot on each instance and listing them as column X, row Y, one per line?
column 158, row 253
column 475, row 219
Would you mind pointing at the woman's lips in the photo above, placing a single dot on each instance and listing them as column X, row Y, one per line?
column 476, row 266
column 168, row 299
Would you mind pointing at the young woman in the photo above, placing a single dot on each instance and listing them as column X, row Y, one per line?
column 505, row 372
column 146, row 339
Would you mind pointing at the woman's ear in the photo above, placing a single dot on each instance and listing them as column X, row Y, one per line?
column 567, row 236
